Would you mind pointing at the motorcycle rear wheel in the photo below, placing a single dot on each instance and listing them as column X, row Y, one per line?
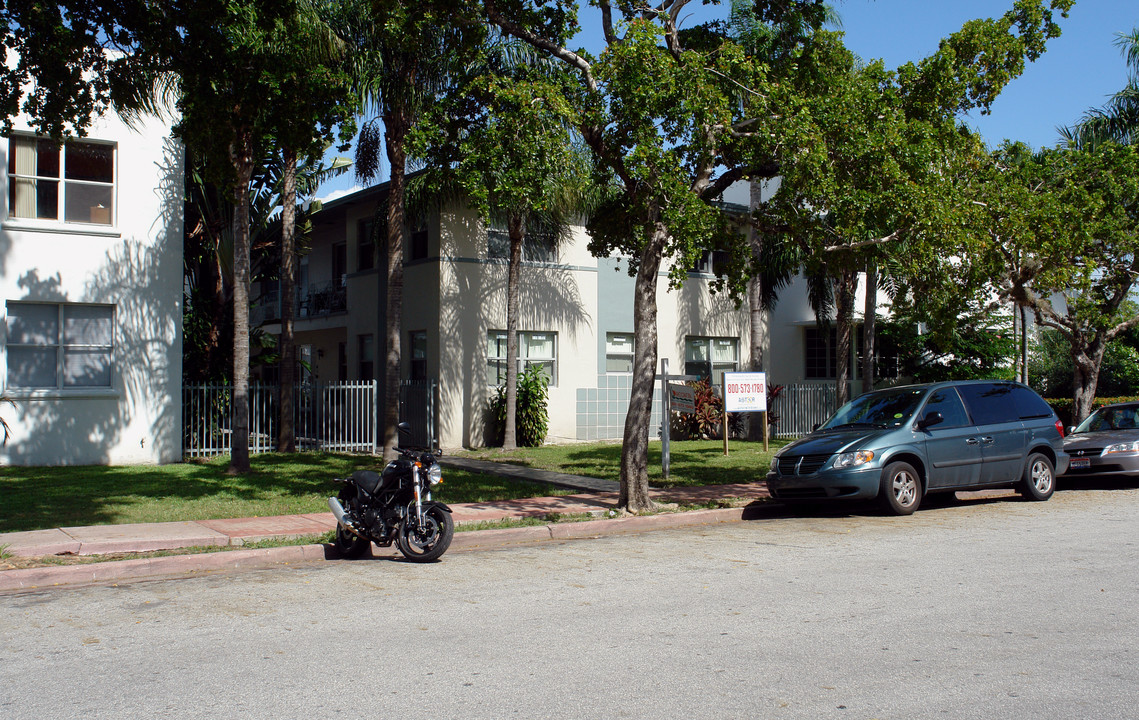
column 429, row 542
column 348, row 544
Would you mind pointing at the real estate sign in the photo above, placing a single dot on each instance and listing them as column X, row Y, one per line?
column 745, row 392
column 682, row 398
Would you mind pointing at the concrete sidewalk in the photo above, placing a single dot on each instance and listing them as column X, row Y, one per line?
column 235, row 532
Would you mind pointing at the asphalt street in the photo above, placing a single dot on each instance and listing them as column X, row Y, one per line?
column 1003, row 609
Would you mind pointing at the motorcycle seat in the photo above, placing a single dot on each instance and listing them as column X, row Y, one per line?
column 367, row 480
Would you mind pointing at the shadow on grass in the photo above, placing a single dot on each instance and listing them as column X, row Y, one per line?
column 278, row 484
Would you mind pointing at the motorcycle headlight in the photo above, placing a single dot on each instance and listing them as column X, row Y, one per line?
column 1127, row 448
column 435, row 475
column 853, row 459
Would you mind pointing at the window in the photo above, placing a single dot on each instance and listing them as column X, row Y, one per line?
column 820, row 353
column 339, row 264
column 419, row 238
column 710, row 358
column 711, row 262
column 618, row 352
column 74, row 181
column 947, row 402
column 59, row 345
column 365, row 245
column 990, row 403
column 342, row 361
column 536, row 247
column 418, row 343
column 366, row 356
column 534, row 348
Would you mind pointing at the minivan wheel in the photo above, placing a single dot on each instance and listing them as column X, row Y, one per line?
column 901, row 488
column 1039, row 478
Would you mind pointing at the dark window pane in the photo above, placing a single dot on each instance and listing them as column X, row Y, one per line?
column 947, row 403
column 1029, row 404
column 990, row 403
column 88, row 161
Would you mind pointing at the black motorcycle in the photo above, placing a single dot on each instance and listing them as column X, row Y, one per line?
column 394, row 506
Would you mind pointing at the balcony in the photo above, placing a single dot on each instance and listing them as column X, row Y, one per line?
column 313, row 301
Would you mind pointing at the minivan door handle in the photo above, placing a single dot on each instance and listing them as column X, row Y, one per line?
column 970, row 441
column 987, row 440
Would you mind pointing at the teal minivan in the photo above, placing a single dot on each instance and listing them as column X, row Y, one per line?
column 902, row 443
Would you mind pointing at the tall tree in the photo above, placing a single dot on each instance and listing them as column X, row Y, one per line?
column 404, row 53
column 673, row 118
column 506, row 145
column 1064, row 224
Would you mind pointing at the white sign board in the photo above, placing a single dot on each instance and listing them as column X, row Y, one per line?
column 745, row 392
column 681, row 398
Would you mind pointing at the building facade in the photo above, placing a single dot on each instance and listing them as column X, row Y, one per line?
column 91, row 295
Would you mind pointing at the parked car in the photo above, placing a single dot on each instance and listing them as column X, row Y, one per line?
column 1106, row 443
column 901, row 443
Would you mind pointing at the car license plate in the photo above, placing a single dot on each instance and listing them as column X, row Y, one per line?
column 1081, row 463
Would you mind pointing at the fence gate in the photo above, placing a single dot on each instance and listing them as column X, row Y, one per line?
column 337, row 417
column 802, row 407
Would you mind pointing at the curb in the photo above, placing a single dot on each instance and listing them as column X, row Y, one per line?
column 151, row 568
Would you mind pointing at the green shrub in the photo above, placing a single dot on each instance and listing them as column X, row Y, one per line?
column 531, row 418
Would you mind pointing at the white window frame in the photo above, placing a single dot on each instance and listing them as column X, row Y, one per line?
column 615, row 353
column 63, row 349
column 496, row 355
column 716, row 367
column 100, row 217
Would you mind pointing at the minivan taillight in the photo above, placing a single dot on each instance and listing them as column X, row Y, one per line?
column 1060, row 428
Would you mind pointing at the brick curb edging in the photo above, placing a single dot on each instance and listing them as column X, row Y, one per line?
column 38, row 578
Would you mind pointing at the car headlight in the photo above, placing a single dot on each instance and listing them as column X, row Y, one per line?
column 853, row 459
column 435, row 475
column 1129, row 448
column 774, row 464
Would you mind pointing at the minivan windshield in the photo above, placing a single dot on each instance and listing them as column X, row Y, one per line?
column 882, row 409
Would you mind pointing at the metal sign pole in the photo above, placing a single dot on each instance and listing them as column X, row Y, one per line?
column 666, row 416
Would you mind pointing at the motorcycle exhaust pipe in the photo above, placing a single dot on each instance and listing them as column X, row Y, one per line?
column 338, row 512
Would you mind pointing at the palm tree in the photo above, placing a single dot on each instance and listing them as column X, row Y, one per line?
column 402, row 58
column 1118, row 120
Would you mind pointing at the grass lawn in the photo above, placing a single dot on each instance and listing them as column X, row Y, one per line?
column 35, row 498
column 691, row 462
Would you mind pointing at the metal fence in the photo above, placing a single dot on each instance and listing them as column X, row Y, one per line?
column 802, row 407
column 337, row 417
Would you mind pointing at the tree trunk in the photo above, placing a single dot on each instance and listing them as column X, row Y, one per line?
column 869, row 321
column 755, row 311
column 1087, row 358
column 844, row 324
column 286, row 440
column 243, row 165
column 635, row 447
column 395, row 141
column 517, row 229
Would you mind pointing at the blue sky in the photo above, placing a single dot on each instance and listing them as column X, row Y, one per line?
column 1079, row 70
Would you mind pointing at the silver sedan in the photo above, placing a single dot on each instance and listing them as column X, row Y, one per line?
column 1106, row 443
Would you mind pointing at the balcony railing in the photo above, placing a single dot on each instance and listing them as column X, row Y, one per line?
column 314, row 301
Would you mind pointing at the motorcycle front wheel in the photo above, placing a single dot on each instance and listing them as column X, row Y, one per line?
column 429, row 542
column 348, row 544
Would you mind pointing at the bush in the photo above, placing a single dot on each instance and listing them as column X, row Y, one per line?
column 531, row 418
column 707, row 422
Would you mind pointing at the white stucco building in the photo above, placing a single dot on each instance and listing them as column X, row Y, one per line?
column 91, row 295
column 576, row 320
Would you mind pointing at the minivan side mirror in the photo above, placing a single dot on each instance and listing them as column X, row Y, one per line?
column 1071, row 429
column 930, row 420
